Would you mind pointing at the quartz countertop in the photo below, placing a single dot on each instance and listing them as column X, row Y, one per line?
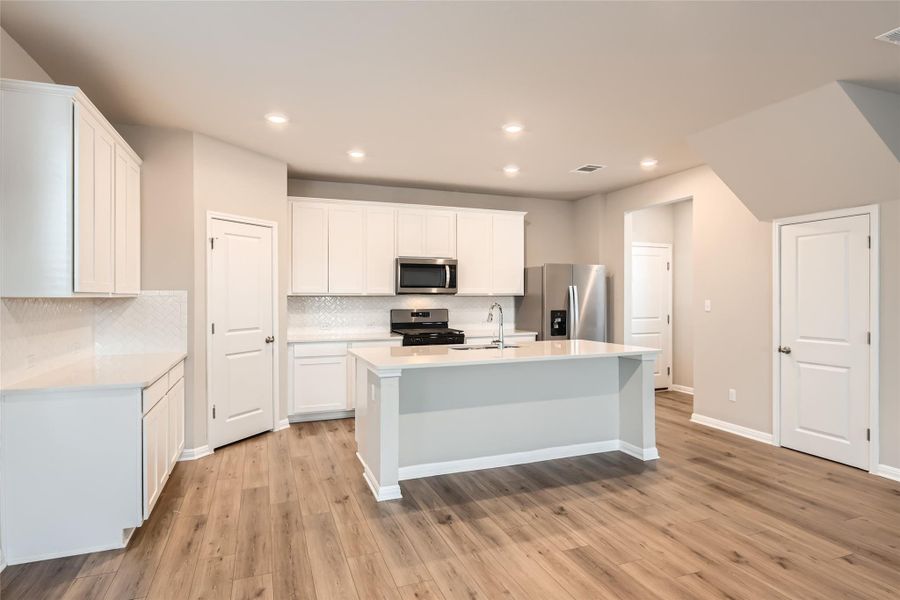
column 117, row 371
column 304, row 337
column 417, row 357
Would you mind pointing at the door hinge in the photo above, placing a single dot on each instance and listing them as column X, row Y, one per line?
column 214, row 411
column 668, row 266
column 869, row 338
column 212, row 243
column 213, row 329
column 668, row 319
column 870, row 242
column 868, row 435
column 668, row 370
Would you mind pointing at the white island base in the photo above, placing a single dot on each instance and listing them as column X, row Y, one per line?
column 432, row 410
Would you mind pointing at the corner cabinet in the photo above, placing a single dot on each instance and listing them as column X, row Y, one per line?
column 69, row 197
column 349, row 248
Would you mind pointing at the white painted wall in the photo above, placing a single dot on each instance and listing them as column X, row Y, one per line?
column 548, row 224
column 15, row 63
column 683, row 284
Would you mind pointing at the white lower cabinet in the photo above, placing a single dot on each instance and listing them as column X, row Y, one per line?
column 163, row 433
column 321, row 377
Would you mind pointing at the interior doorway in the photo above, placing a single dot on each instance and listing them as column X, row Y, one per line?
column 659, row 289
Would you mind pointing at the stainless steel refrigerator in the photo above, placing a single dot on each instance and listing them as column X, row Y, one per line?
column 564, row 302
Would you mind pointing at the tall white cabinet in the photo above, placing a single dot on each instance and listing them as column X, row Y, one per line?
column 69, row 196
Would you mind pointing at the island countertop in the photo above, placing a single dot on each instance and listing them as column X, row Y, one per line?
column 417, row 357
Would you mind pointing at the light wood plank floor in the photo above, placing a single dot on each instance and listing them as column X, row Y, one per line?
column 286, row 515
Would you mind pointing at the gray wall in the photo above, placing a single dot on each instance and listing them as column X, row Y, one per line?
column 548, row 224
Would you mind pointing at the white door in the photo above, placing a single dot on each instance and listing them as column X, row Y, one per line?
column 346, row 250
column 380, row 250
column 95, row 162
column 508, row 255
column 242, row 350
column 651, row 305
column 309, row 248
column 475, row 247
column 824, row 348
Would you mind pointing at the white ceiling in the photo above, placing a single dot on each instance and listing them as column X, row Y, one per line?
column 424, row 87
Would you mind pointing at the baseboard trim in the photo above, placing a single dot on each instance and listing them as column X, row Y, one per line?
column 644, row 454
column 381, row 493
column 2, row 564
column 282, row 424
column 195, row 453
column 682, row 388
column 521, row 458
column 887, row 472
column 322, row 416
column 753, row 434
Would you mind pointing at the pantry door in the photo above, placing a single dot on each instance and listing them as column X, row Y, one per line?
column 824, row 338
column 241, row 330
column 651, row 305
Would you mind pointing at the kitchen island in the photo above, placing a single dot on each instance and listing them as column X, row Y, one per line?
column 431, row 410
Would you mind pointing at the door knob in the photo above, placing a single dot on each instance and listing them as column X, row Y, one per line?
column 270, row 339
column 784, row 349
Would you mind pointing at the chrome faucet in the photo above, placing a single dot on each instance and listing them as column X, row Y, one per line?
column 490, row 318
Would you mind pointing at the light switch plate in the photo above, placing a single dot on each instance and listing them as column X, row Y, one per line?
column 707, row 305
column 732, row 394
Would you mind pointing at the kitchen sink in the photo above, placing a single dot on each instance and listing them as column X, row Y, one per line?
column 486, row 347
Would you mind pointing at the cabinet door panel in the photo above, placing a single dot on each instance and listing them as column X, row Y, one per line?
column 410, row 233
column 440, row 234
column 346, row 250
column 176, row 423
column 320, row 384
column 94, row 207
column 162, row 442
column 309, row 248
column 509, row 255
column 380, row 253
column 151, row 446
column 474, row 249
column 128, row 225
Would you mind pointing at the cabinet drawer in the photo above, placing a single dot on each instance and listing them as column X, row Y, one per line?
column 176, row 373
column 376, row 343
column 329, row 349
column 154, row 393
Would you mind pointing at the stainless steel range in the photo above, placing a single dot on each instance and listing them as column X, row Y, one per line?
column 425, row 327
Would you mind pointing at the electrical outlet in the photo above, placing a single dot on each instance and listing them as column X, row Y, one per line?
column 707, row 305
column 732, row 394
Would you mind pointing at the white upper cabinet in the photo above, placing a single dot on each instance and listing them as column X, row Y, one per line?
column 426, row 233
column 69, row 197
column 128, row 224
column 346, row 249
column 491, row 253
column 380, row 250
column 309, row 248
column 508, row 255
column 474, row 244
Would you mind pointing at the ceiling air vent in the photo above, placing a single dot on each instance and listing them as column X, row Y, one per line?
column 588, row 168
column 892, row 36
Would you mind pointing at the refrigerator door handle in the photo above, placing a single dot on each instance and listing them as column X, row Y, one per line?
column 576, row 317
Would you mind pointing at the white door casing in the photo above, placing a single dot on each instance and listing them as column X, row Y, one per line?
column 824, row 311
column 241, row 362
column 651, row 305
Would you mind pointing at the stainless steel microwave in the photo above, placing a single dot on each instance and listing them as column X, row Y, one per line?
column 426, row 275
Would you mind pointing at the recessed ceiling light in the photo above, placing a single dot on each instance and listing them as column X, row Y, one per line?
column 511, row 170
column 276, row 118
column 649, row 163
column 356, row 154
column 513, row 128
